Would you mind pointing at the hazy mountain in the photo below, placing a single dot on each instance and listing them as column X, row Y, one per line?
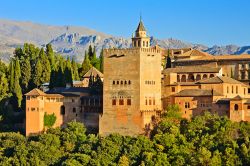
column 73, row 41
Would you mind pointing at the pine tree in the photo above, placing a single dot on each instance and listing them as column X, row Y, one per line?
column 46, row 69
column 38, row 74
column 101, row 61
column 50, row 55
column 75, row 73
column 25, row 73
column 68, row 73
column 85, row 65
column 17, row 91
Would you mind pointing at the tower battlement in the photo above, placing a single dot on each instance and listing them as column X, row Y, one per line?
column 134, row 51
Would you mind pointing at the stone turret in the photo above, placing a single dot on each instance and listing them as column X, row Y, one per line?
column 140, row 39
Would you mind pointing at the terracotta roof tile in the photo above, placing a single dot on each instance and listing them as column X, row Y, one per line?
column 35, row 92
column 197, row 92
column 192, row 69
column 93, row 72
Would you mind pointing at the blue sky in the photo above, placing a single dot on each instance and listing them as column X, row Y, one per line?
column 207, row 22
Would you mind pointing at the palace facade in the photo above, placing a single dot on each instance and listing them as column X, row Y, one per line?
column 137, row 88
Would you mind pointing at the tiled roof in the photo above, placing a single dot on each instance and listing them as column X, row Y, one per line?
column 69, row 90
column 93, row 72
column 192, row 69
column 35, row 92
column 194, row 52
column 140, row 27
column 219, row 79
column 197, row 92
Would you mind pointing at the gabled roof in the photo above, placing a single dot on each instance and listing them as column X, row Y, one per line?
column 195, row 52
column 93, row 72
column 140, row 27
column 197, row 92
column 238, row 97
column 220, row 79
column 35, row 92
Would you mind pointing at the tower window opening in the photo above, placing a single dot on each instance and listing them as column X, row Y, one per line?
column 113, row 82
column 113, row 101
column 74, row 110
column 129, row 82
column 236, row 107
column 117, row 82
column 125, row 82
column 121, row 102
column 62, row 111
column 121, row 82
column 128, row 101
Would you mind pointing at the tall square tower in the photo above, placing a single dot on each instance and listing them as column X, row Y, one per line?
column 132, row 86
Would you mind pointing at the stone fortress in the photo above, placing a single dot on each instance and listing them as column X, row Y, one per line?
column 137, row 89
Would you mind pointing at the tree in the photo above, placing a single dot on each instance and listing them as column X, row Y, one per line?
column 4, row 88
column 101, row 61
column 46, row 69
column 85, row 65
column 68, row 73
column 49, row 119
column 168, row 63
column 50, row 55
column 94, row 61
column 11, row 75
column 90, row 52
column 25, row 73
column 17, row 91
column 74, row 66
column 38, row 74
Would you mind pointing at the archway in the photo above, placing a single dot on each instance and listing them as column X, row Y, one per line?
column 183, row 78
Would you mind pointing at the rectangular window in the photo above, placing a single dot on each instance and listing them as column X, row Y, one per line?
column 146, row 102
column 187, row 105
column 28, row 98
column 121, row 102
column 113, row 101
column 173, row 89
column 33, row 109
column 149, row 102
column 128, row 101
column 153, row 101
column 248, row 107
column 243, row 75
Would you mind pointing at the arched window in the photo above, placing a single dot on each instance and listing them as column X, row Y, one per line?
column 125, row 82
column 121, row 102
column 190, row 78
column 178, row 78
column 211, row 75
column 204, row 76
column 121, row 82
column 129, row 82
column 236, row 107
column 146, row 101
column 113, row 82
column 62, row 111
column 198, row 77
column 113, row 101
column 128, row 101
column 183, row 78
column 117, row 82
column 149, row 102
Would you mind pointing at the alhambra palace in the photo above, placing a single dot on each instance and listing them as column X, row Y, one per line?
column 137, row 88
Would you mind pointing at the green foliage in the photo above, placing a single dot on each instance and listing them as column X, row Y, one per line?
column 168, row 60
column 75, row 74
column 85, row 65
column 49, row 120
column 37, row 74
column 204, row 140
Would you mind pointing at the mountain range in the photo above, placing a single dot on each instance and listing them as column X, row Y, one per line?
column 73, row 40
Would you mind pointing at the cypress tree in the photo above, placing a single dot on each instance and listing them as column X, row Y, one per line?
column 46, row 69
column 85, row 65
column 17, row 92
column 4, row 88
column 90, row 52
column 50, row 55
column 75, row 73
column 95, row 61
column 11, row 75
column 101, row 61
column 38, row 74
column 25, row 73
column 68, row 73
column 168, row 64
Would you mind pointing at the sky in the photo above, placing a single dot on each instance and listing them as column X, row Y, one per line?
column 208, row 22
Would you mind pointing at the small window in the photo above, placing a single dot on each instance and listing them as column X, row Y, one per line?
column 244, row 91
column 236, row 107
column 28, row 97
column 117, row 82
column 113, row 82
column 73, row 100
column 154, row 101
column 125, row 82
column 74, row 110
column 236, row 89
column 33, row 109
column 187, row 105
column 128, row 101
column 121, row 82
column 149, row 102
column 129, row 82
column 146, row 102
column 121, row 102
column 113, row 101
column 232, row 89
column 173, row 89
column 227, row 89
column 248, row 107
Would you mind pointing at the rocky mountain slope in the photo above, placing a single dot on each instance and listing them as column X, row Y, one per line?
column 73, row 41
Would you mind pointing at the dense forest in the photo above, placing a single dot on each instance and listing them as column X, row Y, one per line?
column 31, row 67
column 204, row 140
